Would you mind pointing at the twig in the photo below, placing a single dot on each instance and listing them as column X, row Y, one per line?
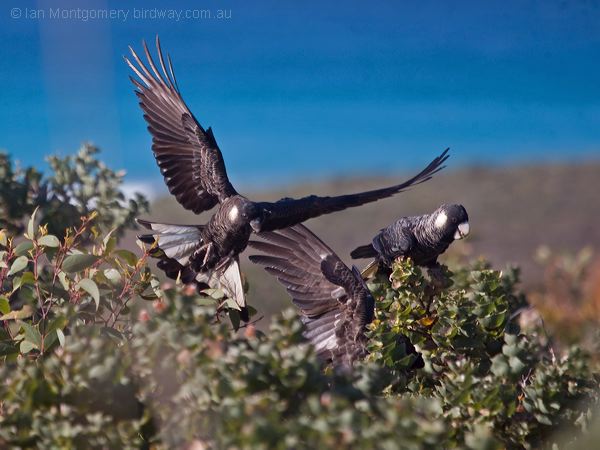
column 59, row 258
column 127, row 286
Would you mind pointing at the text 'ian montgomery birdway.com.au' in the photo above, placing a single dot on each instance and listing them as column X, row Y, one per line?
column 119, row 14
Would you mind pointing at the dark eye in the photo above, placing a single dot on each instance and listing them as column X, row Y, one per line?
column 454, row 220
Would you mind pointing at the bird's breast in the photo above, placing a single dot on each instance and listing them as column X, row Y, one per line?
column 229, row 237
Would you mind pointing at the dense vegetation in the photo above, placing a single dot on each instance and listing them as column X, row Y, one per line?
column 98, row 353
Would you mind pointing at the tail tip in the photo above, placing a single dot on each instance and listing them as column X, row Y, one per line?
column 145, row 223
column 146, row 238
column 363, row 251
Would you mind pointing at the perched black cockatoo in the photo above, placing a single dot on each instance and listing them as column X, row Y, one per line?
column 421, row 238
column 193, row 168
column 334, row 301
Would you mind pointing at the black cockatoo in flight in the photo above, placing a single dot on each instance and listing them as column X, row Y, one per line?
column 193, row 168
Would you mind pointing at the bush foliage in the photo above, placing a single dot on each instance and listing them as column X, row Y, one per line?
column 77, row 186
column 97, row 353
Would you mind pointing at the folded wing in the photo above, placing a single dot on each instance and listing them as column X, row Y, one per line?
column 187, row 154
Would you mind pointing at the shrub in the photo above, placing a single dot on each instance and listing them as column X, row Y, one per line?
column 76, row 186
column 98, row 354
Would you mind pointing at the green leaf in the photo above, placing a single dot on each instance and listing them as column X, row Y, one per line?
column 18, row 264
column 49, row 339
column 541, row 418
column 205, row 301
column 31, row 225
column 112, row 275
column 91, row 288
column 49, row 241
column 4, row 305
column 500, row 367
column 16, row 284
column 61, row 337
column 3, row 239
column 23, row 248
column 251, row 311
column 27, row 295
column 62, row 277
column 32, row 334
column 78, row 262
column 155, row 284
column 22, row 313
column 231, row 303
column 57, row 324
column 516, row 364
column 109, row 242
column 19, row 282
column 27, row 278
column 26, row 347
column 150, row 297
column 129, row 257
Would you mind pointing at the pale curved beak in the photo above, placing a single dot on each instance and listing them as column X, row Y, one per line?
column 256, row 225
column 462, row 231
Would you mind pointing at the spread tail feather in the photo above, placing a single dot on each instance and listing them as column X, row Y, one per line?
column 364, row 251
column 177, row 242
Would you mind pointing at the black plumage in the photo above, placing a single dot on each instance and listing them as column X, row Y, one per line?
column 421, row 238
column 334, row 301
column 193, row 168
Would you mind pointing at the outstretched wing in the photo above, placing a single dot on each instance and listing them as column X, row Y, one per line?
column 287, row 212
column 187, row 154
column 333, row 300
column 294, row 257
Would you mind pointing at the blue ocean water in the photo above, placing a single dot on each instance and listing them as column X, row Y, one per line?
column 310, row 90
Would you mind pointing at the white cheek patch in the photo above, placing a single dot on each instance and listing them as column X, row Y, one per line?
column 440, row 220
column 233, row 214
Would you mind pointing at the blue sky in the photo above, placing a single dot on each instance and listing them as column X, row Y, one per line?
column 349, row 88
